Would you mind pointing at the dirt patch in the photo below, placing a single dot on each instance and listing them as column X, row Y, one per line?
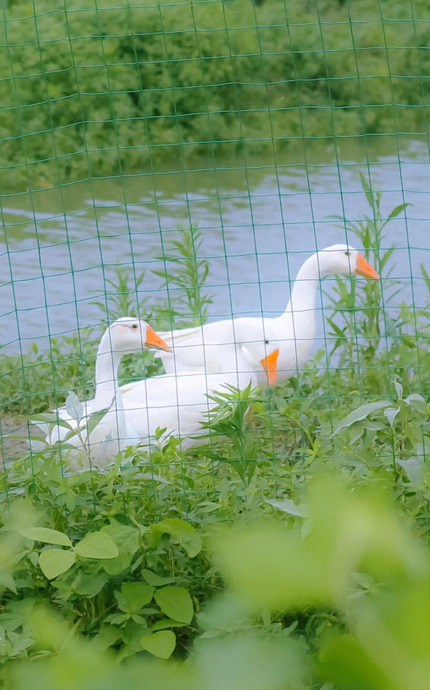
column 11, row 448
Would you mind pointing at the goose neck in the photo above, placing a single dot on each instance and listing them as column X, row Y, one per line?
column 305, row 286
column 107, row 364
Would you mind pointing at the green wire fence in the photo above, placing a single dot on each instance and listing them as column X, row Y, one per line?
column 179, row 161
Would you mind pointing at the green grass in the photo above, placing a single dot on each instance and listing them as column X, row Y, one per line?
column 322, row 580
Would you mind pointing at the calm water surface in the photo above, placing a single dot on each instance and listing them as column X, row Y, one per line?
column 259, row 222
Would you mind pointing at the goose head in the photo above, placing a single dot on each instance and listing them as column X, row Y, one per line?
column 129, row 335
column 262, row 357
column 344, row 260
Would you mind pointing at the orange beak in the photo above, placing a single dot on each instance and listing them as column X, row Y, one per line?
column 154, row 340
column 365, row 269
column 269, row 365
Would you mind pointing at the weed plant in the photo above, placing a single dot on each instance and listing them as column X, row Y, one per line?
column 320, row 583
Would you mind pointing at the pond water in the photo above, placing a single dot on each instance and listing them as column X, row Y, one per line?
column 259, row 220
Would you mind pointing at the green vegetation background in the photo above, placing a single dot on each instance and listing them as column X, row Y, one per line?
column 99, row 89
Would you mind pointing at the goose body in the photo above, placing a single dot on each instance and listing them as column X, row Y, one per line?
column 177, row 403
column 293, row 332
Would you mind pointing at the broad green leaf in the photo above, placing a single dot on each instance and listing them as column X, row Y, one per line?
column 127, row 540
column 413, row 468
column 53, row 562
column 416, row 400
column 125, row 537
column 104, row 639
column 391, row 414
column 176, row 603
column 156, row 580
column 343, row 659
column 166, row 623
column 90, row 585
column 95, row 418
column 117, row 618
column 115, row 566
column 140, row 618
column 73, row 433
column 136, row 595
column 160, row 644
column 361, row 413
column 270, row 566
column 50, row 417
column 97, row 545
column 46, row 535
column 74, row 407
column 7, row 581
column 183, row 532
column 399, row 389
column 288, row 506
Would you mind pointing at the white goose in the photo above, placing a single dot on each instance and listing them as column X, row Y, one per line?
column 125, row 336
column 175, row 403
column 206, row 347
column 179, row 402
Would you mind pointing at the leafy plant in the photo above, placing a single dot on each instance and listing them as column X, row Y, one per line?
column 54, row 561
column 356, row 561
column 361, row 305
column 83, row 579
column 228, row 420
column 184, row 277
column 121, row 297
column 400, row 430
column 78, row 426
column 356, row 558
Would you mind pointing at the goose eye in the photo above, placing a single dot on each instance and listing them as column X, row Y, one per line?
column 347, row 253
column 134, row 325
column 266, row 342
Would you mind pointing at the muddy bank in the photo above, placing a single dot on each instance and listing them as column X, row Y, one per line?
column 11, row 448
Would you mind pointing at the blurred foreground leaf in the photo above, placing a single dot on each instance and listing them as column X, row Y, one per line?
column 159, row 644
column 271, row 565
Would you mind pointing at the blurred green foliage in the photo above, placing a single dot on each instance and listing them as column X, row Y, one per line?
column 96, row 90
column 351, row 556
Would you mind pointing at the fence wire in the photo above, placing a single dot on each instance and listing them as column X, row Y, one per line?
column 178, row 162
